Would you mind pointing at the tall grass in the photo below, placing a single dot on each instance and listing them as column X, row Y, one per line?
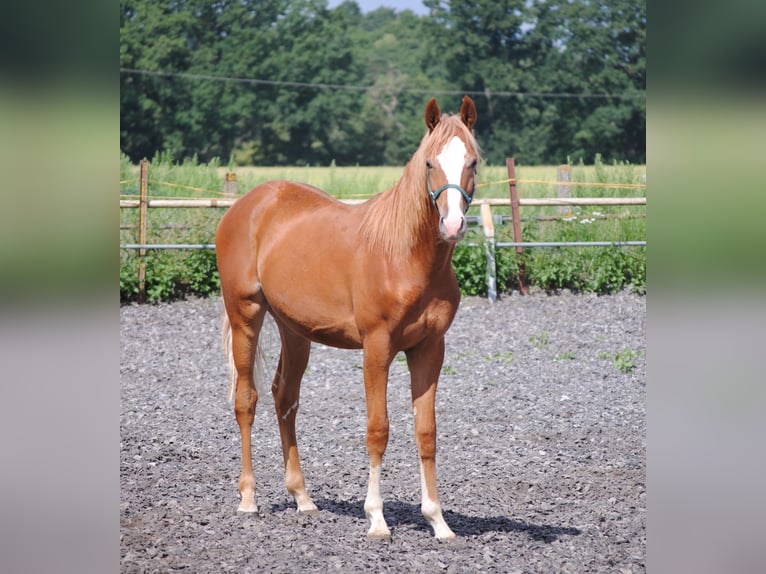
column 175, row 274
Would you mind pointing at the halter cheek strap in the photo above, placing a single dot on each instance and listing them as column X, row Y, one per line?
column 435, row 194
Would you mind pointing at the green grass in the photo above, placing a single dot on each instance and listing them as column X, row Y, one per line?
column 175, row 274
column 540, row 340
column 362, row 182
column 624, row 361
column 341, row 182
column 506, row 357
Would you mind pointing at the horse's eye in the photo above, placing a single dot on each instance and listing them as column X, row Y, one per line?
column 473, row 165
column 429, row 165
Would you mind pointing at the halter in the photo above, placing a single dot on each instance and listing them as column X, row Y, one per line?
column 435, row 194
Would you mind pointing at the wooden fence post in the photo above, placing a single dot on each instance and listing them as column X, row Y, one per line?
column 143, row 187
column 564, row 175
column 230, row 184
column 489, row 249
column 516, row 220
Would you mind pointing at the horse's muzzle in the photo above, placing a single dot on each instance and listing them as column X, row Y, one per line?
column 453, row 229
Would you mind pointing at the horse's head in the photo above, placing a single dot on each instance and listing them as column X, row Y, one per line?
column 451, row 166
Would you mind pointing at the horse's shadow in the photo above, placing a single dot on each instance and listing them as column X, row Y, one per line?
column 404, row 514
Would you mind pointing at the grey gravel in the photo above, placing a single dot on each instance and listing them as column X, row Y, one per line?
column 541, row 448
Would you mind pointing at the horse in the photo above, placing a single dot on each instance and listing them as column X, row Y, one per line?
column 375, row 276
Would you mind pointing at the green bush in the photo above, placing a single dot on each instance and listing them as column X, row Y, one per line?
column 170, row 275
column 582, row 269
column 470, row 265
column 589, row 269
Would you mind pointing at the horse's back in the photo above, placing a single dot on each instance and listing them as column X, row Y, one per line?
column 275, row 208
column 280, row 198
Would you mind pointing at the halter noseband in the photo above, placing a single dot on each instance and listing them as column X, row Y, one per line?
column 435, row 194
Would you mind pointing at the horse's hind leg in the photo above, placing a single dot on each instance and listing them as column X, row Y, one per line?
column 286, row 390
column 246, row 320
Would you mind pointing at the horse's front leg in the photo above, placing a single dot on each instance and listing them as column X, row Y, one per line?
column 377, row 360
column 425, row 363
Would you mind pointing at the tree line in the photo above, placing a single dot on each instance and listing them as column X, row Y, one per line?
column 278, row 82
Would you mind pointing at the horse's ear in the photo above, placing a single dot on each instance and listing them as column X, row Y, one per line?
column 433, row 113
column 468, row 112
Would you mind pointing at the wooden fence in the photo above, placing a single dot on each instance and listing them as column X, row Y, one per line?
column 486, row 219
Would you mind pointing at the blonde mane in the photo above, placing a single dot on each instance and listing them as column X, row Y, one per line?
column 399, row 217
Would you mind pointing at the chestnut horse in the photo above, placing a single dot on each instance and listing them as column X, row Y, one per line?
column 376, row 276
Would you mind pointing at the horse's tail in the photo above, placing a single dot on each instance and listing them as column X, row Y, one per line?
column 258, row 369
column 226, row 342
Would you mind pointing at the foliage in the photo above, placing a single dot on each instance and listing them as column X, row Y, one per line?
column 470, row 265
column 189, row 69
column 590, row 269
column 582, row 269
column 170, row 276
column 625, row 360
column 540, row 340
column 560, row 46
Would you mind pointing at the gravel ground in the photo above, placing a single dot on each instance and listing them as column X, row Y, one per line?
column 541, row 448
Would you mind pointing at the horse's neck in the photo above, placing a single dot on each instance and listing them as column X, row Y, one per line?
column 400, row 220
column 438, row 259
column 429, row 252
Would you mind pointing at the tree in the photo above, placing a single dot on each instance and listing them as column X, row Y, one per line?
column 316, row 124
column 599, row 49
column 558, row 53
column 395, row 60
column 292, row 82
column 153, row 36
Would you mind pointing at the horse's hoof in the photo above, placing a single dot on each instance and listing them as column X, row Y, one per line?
column 380, row 535
column 311, row 510
column 443, row 532
column 247, row 508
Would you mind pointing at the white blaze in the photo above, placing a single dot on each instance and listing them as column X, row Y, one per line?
column 452, row 160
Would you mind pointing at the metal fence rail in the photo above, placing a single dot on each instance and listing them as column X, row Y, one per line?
column 168, row 246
